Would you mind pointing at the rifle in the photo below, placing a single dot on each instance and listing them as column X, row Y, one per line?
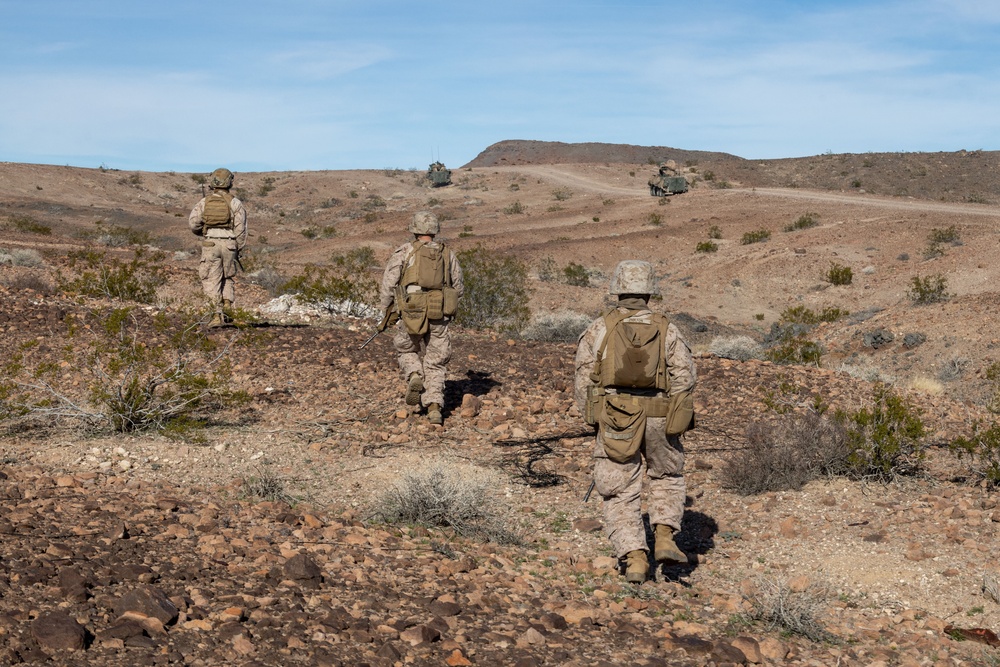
column 391, row 317
column 586, row 496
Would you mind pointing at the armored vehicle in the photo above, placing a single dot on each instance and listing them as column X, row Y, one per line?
column 667, row 181
column 438, row 175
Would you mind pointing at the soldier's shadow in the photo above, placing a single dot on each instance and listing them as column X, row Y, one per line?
column 695, row 538
column 475, row 383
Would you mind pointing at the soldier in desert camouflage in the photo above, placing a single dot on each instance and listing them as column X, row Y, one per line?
column 420, row 290
column 634, row 377
column 221, row 220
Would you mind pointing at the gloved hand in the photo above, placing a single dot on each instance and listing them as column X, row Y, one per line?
column 390, row 317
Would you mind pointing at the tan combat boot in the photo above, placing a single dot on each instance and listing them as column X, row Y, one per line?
column 636, row 566
column 227, row 311
column 216, row 321
column 434, row 414
column 414, row 388
column 666, row 550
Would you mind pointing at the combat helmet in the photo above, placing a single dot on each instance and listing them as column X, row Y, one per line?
column 425, row 222
column 634, row 276
column 221, row 178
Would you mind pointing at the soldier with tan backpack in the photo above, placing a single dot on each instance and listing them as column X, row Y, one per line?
column 420, row 289
column 221, row 221
column 634, row 377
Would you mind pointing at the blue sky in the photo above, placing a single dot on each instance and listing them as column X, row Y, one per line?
column 324, row 84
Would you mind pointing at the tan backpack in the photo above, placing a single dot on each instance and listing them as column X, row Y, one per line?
column 218, row 211
column 632, row 354
column 428, row 267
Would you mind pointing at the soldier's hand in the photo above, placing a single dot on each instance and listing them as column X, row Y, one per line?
column 388, row 319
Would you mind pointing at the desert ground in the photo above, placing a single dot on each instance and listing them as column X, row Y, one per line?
column 160, row 548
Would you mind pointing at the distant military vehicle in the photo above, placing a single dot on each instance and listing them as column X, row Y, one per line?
column 438, row 175
column 667, row 181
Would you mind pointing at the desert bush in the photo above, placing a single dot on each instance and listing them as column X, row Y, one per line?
column 265, row 485
column 143, row 375
column 102, row 275
column 346, row 286
column 200, row 179
column 839, row 274
column 777, row 605
column 463, row 498
column 948, row 235
column 867, row 371
column 707, row 246
column 496, row 291
column 266, row 186
column 794, row 348
column 655, row 219
column 885, row 437
column 514, row 209
column 562, row 194
column 714, row 232
column 982, row 448
column 786, row 453
column 547, row 270
column 563, row 326
column 28, row 281
column 758, row 236
column 27, row 257
column 804, row 315
column 805, row 221
column 928, row 289
column 324, row 232
column 576, row 274
column 27, row 224
column 740, row 348
column 117, row 236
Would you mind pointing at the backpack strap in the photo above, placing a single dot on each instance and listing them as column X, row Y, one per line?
column 414, row 247
column 446, row 258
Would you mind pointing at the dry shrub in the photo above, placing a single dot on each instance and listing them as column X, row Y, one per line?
column 564, row 326
column 448, row 495
column 781, row 607
column 926, row 385
column 29, row 281
column 265, row 485
column 740, row 348
column 28, row 257
column 786, row 453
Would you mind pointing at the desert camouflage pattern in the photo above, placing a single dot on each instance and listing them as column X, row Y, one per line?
column 620, row 484
column 427, row 354
column 219, row 249
column 633, row 276
column 425, row 222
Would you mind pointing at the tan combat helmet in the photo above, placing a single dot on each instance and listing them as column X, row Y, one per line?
column 634, row 276
column 222, row 179
column 425, row 222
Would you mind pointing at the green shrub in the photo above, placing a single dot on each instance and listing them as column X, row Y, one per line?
column 27, row 224
column 885, row 438
column 266, row 186
column 346, row 286
column 928, row 289
column 983, row 448
column 707, row 246
column 838, row 274
column 759, row 236
column 576, row 274
column 562, row 194
column 514, row 209
column 795, row 349
column 496, row 291
column 805, row 221
column 947, row 235
column 804, row 315
column 102, row 275
column 714, row 232
column 200, row 179
column 547, row 271
column 145, row 374
column 655, row 219
column 462, row 498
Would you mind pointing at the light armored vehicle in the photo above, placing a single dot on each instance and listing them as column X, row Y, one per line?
column 667, row 181
column 438, row 175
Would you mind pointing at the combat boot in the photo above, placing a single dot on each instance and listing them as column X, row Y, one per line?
column 216, row 321
column 227, row 311
column 666, row 550
column 434, row 414
column 414, row 387
column 636, row 566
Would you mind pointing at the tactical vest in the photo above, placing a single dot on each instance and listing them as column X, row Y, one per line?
column 218, row 210
column 436, row 298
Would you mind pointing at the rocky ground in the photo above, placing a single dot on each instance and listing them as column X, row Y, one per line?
column 143, row 548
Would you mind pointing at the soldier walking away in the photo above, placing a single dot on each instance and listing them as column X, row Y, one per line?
column 634, row 377
column 420, row 290
column 221, row 221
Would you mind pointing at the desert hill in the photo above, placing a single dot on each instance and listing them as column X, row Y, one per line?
column 146, row 548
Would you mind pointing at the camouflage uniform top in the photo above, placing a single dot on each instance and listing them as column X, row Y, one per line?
column 680, row 363
column 239, row 220
column 394, row 272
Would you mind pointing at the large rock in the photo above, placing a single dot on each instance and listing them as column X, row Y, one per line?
column 56, row 631
column 147, row 601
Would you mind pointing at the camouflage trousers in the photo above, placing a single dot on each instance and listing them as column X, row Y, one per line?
column 217, row 269
column 435, row 346
column 620, row 484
